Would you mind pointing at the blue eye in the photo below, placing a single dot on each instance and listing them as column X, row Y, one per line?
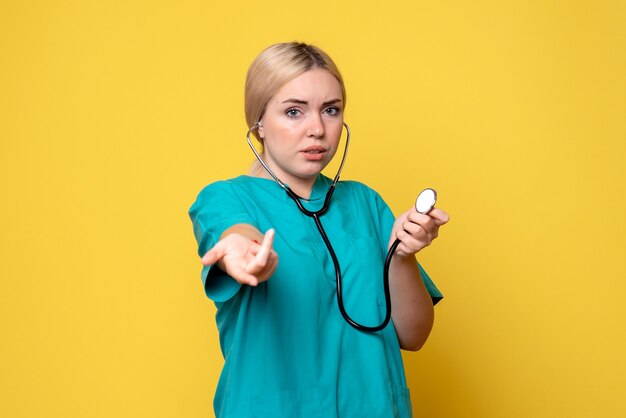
column 332, row 111
column 293, row 112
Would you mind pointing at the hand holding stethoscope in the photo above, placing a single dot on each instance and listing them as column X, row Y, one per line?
column 419, row 226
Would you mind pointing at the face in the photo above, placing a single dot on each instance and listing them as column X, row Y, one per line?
column 302, row 125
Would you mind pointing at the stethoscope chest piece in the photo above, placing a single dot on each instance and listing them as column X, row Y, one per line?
column 426, row 201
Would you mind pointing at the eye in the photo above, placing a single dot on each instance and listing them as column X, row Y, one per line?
column 332, row 110
column 293, row 112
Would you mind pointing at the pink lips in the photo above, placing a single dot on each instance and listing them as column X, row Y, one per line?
column 314, row 153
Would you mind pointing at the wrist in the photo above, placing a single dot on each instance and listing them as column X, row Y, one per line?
column 246, row 230
column 403, row 257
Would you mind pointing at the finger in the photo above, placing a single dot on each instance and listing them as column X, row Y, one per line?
column 270, row 268
column 263, row 270
column 403, row 250
column 416, row 231
column 409, row 244
column 243, row 277
column 254, row 249
column 419, row 218
column 425, row 221
column 266, row 245
column 274, row 262
column 440, row 217
column 214, row 254
column 435, row 218
column 259, row 262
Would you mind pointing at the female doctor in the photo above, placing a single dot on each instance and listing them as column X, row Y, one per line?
column 288, row 351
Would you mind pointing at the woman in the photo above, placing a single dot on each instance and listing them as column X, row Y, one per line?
column 288, row 351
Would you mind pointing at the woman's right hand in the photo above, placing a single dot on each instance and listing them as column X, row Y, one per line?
column 245, row 260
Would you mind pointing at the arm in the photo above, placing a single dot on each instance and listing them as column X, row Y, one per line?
column 245, row 254
column 412, row 309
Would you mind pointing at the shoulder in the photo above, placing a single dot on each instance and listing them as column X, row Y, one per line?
column 224, row 185
column 223, row 202
column 222, row 188
column 219, row 193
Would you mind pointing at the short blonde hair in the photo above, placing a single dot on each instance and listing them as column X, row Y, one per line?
column 277, row 65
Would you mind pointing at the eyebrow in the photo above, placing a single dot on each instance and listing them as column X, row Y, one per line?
column 304, row 102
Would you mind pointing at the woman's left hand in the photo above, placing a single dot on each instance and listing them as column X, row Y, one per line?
column 416, row 230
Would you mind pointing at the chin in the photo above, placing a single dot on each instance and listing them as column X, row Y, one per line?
column 313, row 171
column 309, row 176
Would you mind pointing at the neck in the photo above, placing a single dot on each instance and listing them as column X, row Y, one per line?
column 300, row 186
column 303, row 188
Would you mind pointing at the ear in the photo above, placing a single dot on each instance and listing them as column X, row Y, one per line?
column 260, row 130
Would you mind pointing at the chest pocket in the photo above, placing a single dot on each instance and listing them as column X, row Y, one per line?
column 361, row 262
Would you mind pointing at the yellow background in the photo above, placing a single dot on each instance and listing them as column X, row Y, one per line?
column 114, row 114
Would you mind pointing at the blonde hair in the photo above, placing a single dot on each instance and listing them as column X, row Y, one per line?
column 277, row 65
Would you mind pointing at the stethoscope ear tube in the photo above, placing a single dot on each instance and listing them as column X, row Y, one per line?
column 258, row 157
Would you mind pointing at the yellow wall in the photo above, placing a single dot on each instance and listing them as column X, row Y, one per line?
column 113, row 115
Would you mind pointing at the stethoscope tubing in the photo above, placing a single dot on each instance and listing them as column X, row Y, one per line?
column 316, row 217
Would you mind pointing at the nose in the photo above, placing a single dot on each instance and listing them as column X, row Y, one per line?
column 316, row 127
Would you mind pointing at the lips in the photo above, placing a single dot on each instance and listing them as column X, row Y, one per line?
column 314, row 149
column 314, row 153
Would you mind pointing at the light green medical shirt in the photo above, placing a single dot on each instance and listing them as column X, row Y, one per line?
column 288, row 351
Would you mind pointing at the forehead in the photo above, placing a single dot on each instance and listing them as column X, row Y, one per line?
column 310, row 85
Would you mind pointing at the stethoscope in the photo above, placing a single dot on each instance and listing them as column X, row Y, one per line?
column 423, row 204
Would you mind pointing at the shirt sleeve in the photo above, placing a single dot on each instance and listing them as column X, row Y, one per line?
column 386, row 224
column 216, row 209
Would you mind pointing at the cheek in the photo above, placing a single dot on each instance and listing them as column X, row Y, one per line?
column 281, row 132
column 335, row 133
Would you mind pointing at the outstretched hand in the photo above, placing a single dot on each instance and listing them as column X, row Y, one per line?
column 245, row 260
column 416, row 230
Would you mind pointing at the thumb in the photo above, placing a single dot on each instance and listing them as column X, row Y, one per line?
column 440, row 217
column 214, row 254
